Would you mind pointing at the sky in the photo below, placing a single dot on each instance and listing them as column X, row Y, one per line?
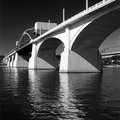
column 18, row 15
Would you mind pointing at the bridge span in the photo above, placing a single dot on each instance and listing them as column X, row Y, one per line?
column 71, row 46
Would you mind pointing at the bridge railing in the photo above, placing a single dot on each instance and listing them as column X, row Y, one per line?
column 75, row 17
column 25, row 40
column 110, row 50
column 92, row 8
column 10, row 52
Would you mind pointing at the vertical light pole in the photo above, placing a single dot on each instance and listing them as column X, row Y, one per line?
column 48, row 24
column 86, row 4
column 63, row 14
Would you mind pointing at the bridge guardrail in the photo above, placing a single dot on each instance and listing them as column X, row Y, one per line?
column 11, row 51
column 97, row 5
column 75, row 17
column 110, row 50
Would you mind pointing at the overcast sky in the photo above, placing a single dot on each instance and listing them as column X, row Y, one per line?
column 18, row 15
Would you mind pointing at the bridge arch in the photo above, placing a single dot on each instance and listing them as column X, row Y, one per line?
column 91, row 37
column 24, row 48
column 26, row 37
column 49, row 53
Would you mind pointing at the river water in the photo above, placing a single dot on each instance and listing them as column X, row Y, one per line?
column 50, row 95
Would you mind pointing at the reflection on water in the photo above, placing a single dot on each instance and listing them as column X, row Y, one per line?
column 44, row 93
column 50, row 95
column 82, row 90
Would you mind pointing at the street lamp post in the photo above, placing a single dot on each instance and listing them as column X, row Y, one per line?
column 86, row 4
column 63, row 14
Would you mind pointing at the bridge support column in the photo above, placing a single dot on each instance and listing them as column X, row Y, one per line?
column 72, row 62
column 8, row 62
column 64, row 62
column 11, row 62
column 33, row 58
column 20, row 61
column 5, row 61
column 15, row 62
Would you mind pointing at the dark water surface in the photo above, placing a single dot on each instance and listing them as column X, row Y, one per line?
column 50, row 95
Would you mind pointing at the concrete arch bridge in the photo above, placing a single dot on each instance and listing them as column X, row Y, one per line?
column 73, row 45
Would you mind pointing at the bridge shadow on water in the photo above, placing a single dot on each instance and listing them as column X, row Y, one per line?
column 50, row 95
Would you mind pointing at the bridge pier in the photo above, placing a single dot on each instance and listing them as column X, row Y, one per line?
column 33, row 59
column 44, row 57
column 15, row 62
column 5, row 62
column 20, row 61
column 12, row 60
column 72, row 62
column 47, row 60
column 8, row 62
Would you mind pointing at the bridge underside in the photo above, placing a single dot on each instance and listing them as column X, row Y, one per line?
column 88, row 41
column 22, row 57
column 47, row 58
